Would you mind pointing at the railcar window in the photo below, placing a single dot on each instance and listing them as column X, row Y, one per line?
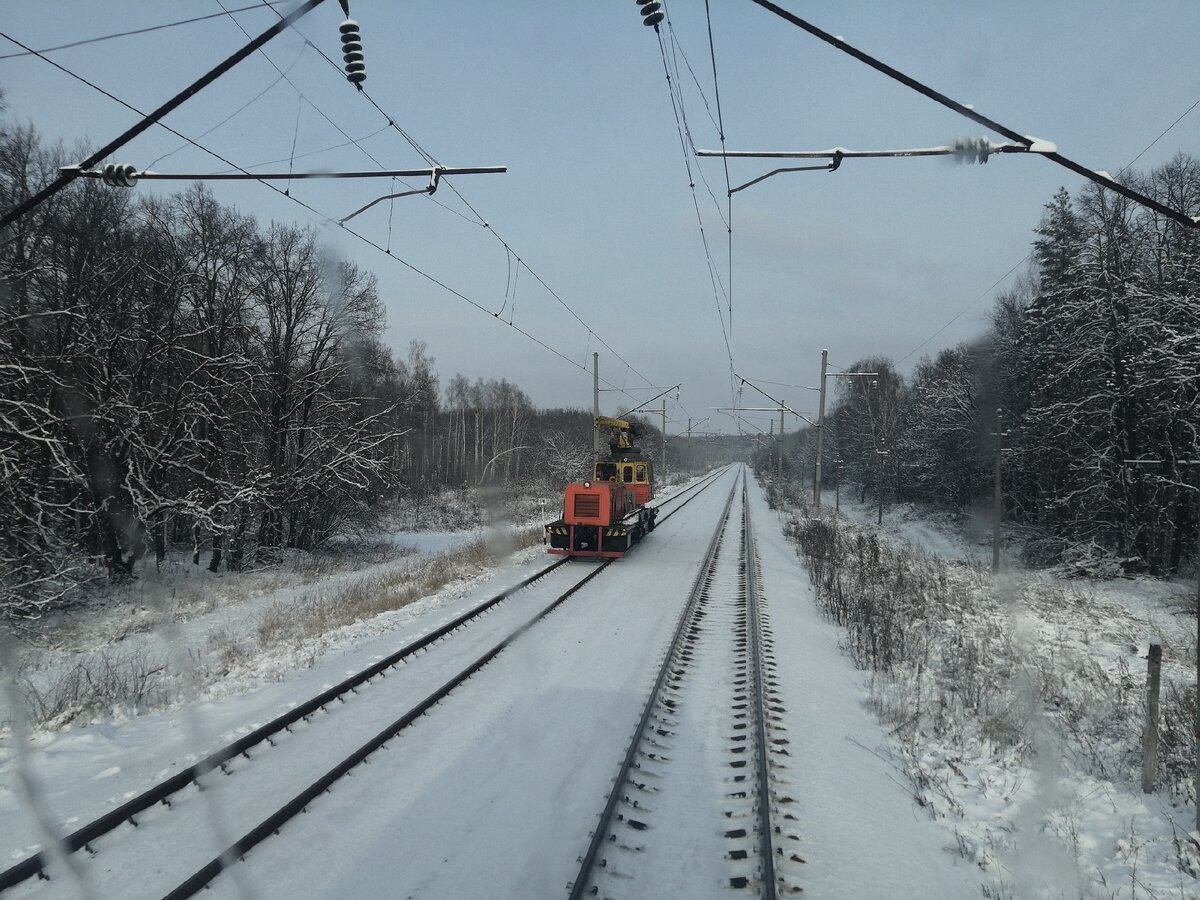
column 641, row 473
column 627, row 473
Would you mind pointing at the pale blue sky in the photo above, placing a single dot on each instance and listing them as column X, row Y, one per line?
column 571, row 96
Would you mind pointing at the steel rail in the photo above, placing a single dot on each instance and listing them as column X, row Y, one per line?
column 161, row 792
column 588, row 863
column 766, row 849
column 698, row 487
column 271, row 825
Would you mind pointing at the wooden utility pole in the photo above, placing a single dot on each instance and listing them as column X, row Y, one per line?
column 1150, row 735
column 1195, row 467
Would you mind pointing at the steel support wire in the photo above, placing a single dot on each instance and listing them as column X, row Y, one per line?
column 1101, row 178
column 588, row 862
column 67, row 176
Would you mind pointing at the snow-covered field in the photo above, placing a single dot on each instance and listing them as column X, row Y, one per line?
column 492, row 794
column 1043, row 789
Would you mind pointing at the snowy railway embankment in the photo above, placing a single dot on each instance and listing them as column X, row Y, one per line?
column 1017, row 703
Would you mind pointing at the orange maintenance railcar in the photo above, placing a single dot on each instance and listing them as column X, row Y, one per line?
column 608, row 515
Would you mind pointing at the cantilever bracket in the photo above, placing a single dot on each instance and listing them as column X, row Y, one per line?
column 435, row 176
column 832, row 167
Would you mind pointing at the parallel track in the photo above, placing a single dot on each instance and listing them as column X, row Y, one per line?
column 87, row 835
column 700, row 629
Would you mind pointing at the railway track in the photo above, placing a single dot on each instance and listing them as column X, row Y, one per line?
column 714, row 708
column 148, row 813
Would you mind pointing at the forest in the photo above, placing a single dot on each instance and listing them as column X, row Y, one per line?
column 174, row 374
column 1086, row 384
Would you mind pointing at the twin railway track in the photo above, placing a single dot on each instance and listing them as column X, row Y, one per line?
column 723, row 603
column 714, row 706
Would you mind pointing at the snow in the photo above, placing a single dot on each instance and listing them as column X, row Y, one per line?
column 494, row 791
column 1066, row 817
column 862, row 835
column 432, row 541
column 1040, row 145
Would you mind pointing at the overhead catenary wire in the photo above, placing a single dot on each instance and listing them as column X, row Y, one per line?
column 721, row 131
column 714, row 275
column 152, row 118
column 428, row 157
column 995, row 284
column 304, row 98
column 1101, row 178
column 479, row 219
column 235, row 113
column 136, row 31
column 677, row 53
column 349, row 143
column 327, row 219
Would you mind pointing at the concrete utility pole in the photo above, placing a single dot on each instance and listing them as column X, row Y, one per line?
column 820, row 431
column 820, row 423
column 664, row 439
column 879, row 487
column 595, row 408
column 998, row 494
column 781, row 412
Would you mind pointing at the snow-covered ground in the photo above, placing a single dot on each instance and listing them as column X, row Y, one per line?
column 1054, row 809
column 493, row 793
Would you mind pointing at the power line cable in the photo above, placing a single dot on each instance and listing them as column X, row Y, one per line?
column 480, row 220
column 65, row 177
column 232, row 115
column 962, row 312
column 121, row 34
column 329, row 220
column 1047, row 149
column 721, row 129
column 1026, row 257
column 1161, row 136
column 714, row 275
column 326, row 116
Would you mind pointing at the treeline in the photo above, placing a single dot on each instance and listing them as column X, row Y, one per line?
column 174, row 373
column 1094, row 363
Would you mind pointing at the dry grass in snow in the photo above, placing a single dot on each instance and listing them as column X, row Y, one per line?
column 1017, row 705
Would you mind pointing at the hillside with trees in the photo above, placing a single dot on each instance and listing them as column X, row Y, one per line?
column 1093, row 361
